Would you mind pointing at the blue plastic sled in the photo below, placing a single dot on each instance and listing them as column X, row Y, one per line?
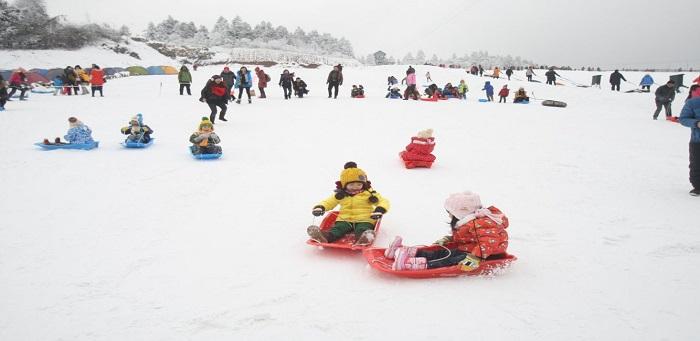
column 132, row 144
column 523, row 102
column 483, row 100
column 86, row 146
column 206, row 156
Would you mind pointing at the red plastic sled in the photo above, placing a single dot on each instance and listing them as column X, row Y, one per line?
column 347, row 242
column 429, row 99
column 359, row 96
column 375, row 258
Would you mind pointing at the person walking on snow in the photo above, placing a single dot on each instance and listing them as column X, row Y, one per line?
column 286, row 80
column 615, row 78
column 229, row 79
column 335, row 79
column 529, row 73
column 664, row 95
column 690, row 117
column 185, row 79
column 215, row 93
column 427, row 77
column 489, row 91
column 551, row 76
column 496, row 72
column 263, row 78
column 503, row 94
column 509, row 72
column 97, row 80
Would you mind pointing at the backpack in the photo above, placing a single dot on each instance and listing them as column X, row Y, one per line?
column 267, row 78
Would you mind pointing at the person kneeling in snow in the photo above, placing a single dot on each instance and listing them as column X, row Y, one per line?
column 205, row 139
column 137, row 131
column 360, row 208
column 477, row 233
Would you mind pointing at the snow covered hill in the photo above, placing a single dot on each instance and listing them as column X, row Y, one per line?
column 116, row 244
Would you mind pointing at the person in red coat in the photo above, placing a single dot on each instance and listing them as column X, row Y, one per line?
column 503, row 94
column 97, row 79
column 477, row 233
column 263, row 78
column 419, row 152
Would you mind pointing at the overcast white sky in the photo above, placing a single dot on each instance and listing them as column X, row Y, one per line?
column 614, row 33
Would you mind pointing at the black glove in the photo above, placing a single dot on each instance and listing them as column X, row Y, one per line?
column 378, row 213
column 318, row 211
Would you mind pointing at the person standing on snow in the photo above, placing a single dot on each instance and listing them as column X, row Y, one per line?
column 335, row 79
column 18, row 81
column 286, row 80
column 263, row 78
column 97, row 80
column 529, row 73
column 646, row 82
column 664, row 96
column 216, row 94
column 615, row 78
column 551, row 76
column 428, row 79
column 481, row 71
column 185, row 79
column 496, row 72
column 244, row 81
column 229, row 79
column 690, row 117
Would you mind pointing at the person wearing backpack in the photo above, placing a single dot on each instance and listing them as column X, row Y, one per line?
column 263, row 78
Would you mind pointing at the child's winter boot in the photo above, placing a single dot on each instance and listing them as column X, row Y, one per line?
column 391, row 250
column 470, row 263
column 315, row 233
column 402, row 255
column 366, row 238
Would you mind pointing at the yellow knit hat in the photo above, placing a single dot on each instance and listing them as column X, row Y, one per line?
column 205, row 122
column 351, row 173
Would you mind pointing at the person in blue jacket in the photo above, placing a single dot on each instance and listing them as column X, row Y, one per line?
column 57, row 85
column 690, row 117
column 394, row 93
column 646, row 82
column 489, row 90
column 78, row 133
column 244, row 80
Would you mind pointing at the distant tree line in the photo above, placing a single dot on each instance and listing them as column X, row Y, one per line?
column 25, row 24
column 238, row 33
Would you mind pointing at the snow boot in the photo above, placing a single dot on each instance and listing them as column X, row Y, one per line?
column 402, row 255
column 250, row 101
column 389, row 252
column 695, row 192
column 470, row 263
column 316, row 234
column 366, row 238
column 238, row 101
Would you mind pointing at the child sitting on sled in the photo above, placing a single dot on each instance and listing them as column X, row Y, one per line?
column 360, row 208
column 394, row 93
column 521, row 96
column 205, row 139
column 477, row 233
column 137, row 131
column 78, row 133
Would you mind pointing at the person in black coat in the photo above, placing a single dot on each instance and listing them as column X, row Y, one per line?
column 665, row 94
column 551, row 76
column 216, row 94
column 300, row 87
column 335, row 79
column 615, row 79
column 229, row 78
column 286, row 80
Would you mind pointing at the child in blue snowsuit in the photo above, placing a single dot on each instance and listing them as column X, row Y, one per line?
column 78, row 133
column 489, row 91
column 646, row 82
column 57, row 85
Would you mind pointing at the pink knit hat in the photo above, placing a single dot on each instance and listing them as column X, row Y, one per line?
column 463, row 204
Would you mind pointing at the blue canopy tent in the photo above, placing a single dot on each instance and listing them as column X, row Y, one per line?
column 155, row 70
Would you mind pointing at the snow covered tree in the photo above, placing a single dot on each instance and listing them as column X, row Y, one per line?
column 420, row 57
column 434, row 60
column 380, row 58
column 220, row 33
column 408, row 59
column 370, row 60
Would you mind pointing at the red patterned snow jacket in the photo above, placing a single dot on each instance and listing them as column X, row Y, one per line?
column 482, row 237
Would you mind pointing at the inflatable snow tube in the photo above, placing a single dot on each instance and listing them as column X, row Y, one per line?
column 132, row 144
column 347, row 242
column 86, row 146
column 42, row 90
column 375, row 258
column 551, row 103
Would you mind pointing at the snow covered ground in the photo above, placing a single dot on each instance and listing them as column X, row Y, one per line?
column 116, row 244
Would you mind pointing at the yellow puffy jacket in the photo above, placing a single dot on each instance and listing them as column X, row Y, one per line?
column 356, row 208
column 83, row 76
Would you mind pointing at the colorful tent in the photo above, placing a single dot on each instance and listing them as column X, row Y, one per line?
column 169, row 70
column 6, row 74
column 33, row 77
column 155, row 70
column 137, row 71
column 40, row 71
column 113, row 70
column 51, row 74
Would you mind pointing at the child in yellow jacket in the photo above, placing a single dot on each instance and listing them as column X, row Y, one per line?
column 360, row 208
